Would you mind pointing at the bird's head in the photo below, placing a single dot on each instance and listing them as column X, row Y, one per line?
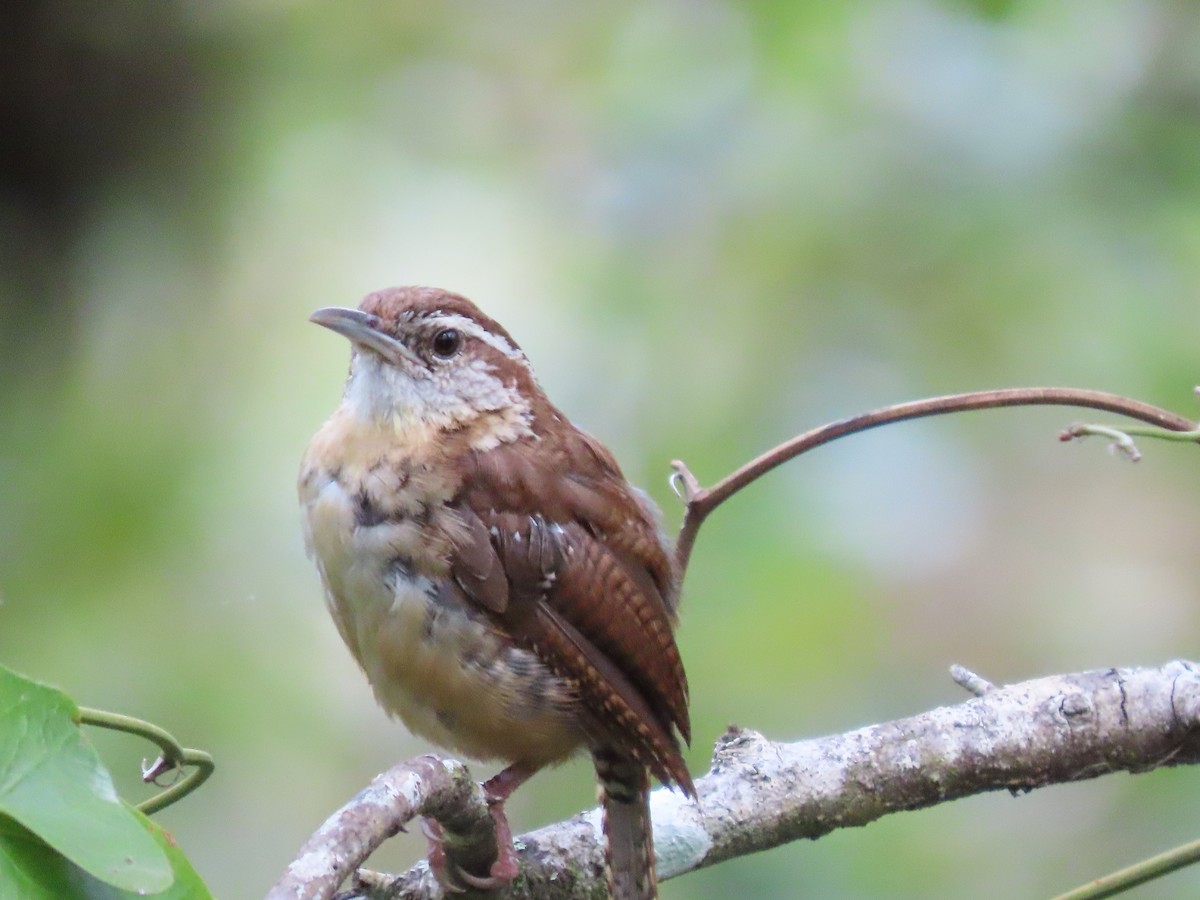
column 430, row 359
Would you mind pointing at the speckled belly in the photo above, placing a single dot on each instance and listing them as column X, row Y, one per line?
column 452, row 679
column 432, row 658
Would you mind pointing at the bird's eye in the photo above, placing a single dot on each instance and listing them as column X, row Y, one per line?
column 446, row 343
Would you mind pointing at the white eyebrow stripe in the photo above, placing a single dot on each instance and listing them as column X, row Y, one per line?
column 473, row 329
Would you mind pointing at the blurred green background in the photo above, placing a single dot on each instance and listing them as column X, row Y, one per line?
column 711, row 225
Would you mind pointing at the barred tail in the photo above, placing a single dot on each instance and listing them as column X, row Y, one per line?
column 628, row 834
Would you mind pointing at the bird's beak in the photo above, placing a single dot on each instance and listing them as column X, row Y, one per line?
column 362, row 329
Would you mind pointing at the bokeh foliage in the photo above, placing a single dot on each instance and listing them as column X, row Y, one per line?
column 711, row 225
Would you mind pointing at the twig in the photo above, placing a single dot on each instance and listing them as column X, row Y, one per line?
column 968, row 680
column 1139, row 873
column 1122, row 437
column 1121, row 441
column 702, row 501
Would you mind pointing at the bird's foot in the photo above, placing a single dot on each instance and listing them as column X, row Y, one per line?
column 454, row 878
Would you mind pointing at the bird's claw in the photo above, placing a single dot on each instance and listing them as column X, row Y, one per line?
column 454, row 879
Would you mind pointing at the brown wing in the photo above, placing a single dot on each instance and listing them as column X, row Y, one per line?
column 576, row 480
column 613, row 651
column 573, row 478
column 556, row 560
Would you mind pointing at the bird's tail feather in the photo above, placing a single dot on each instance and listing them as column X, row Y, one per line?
column 629, row 836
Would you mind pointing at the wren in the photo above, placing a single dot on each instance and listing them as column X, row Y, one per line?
column 507, row 592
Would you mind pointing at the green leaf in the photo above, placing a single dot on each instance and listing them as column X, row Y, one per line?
column 33, row 870
column 53, row 783
column 187, row 885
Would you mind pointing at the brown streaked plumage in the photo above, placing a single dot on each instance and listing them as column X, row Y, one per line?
column 506, row 591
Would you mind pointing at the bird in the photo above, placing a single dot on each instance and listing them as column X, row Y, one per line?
column 508, row 594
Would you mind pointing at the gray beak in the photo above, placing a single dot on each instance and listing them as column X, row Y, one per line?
column 362, row 329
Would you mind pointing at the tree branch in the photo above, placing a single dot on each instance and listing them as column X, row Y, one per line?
column 426, row 786
column 760, row 794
